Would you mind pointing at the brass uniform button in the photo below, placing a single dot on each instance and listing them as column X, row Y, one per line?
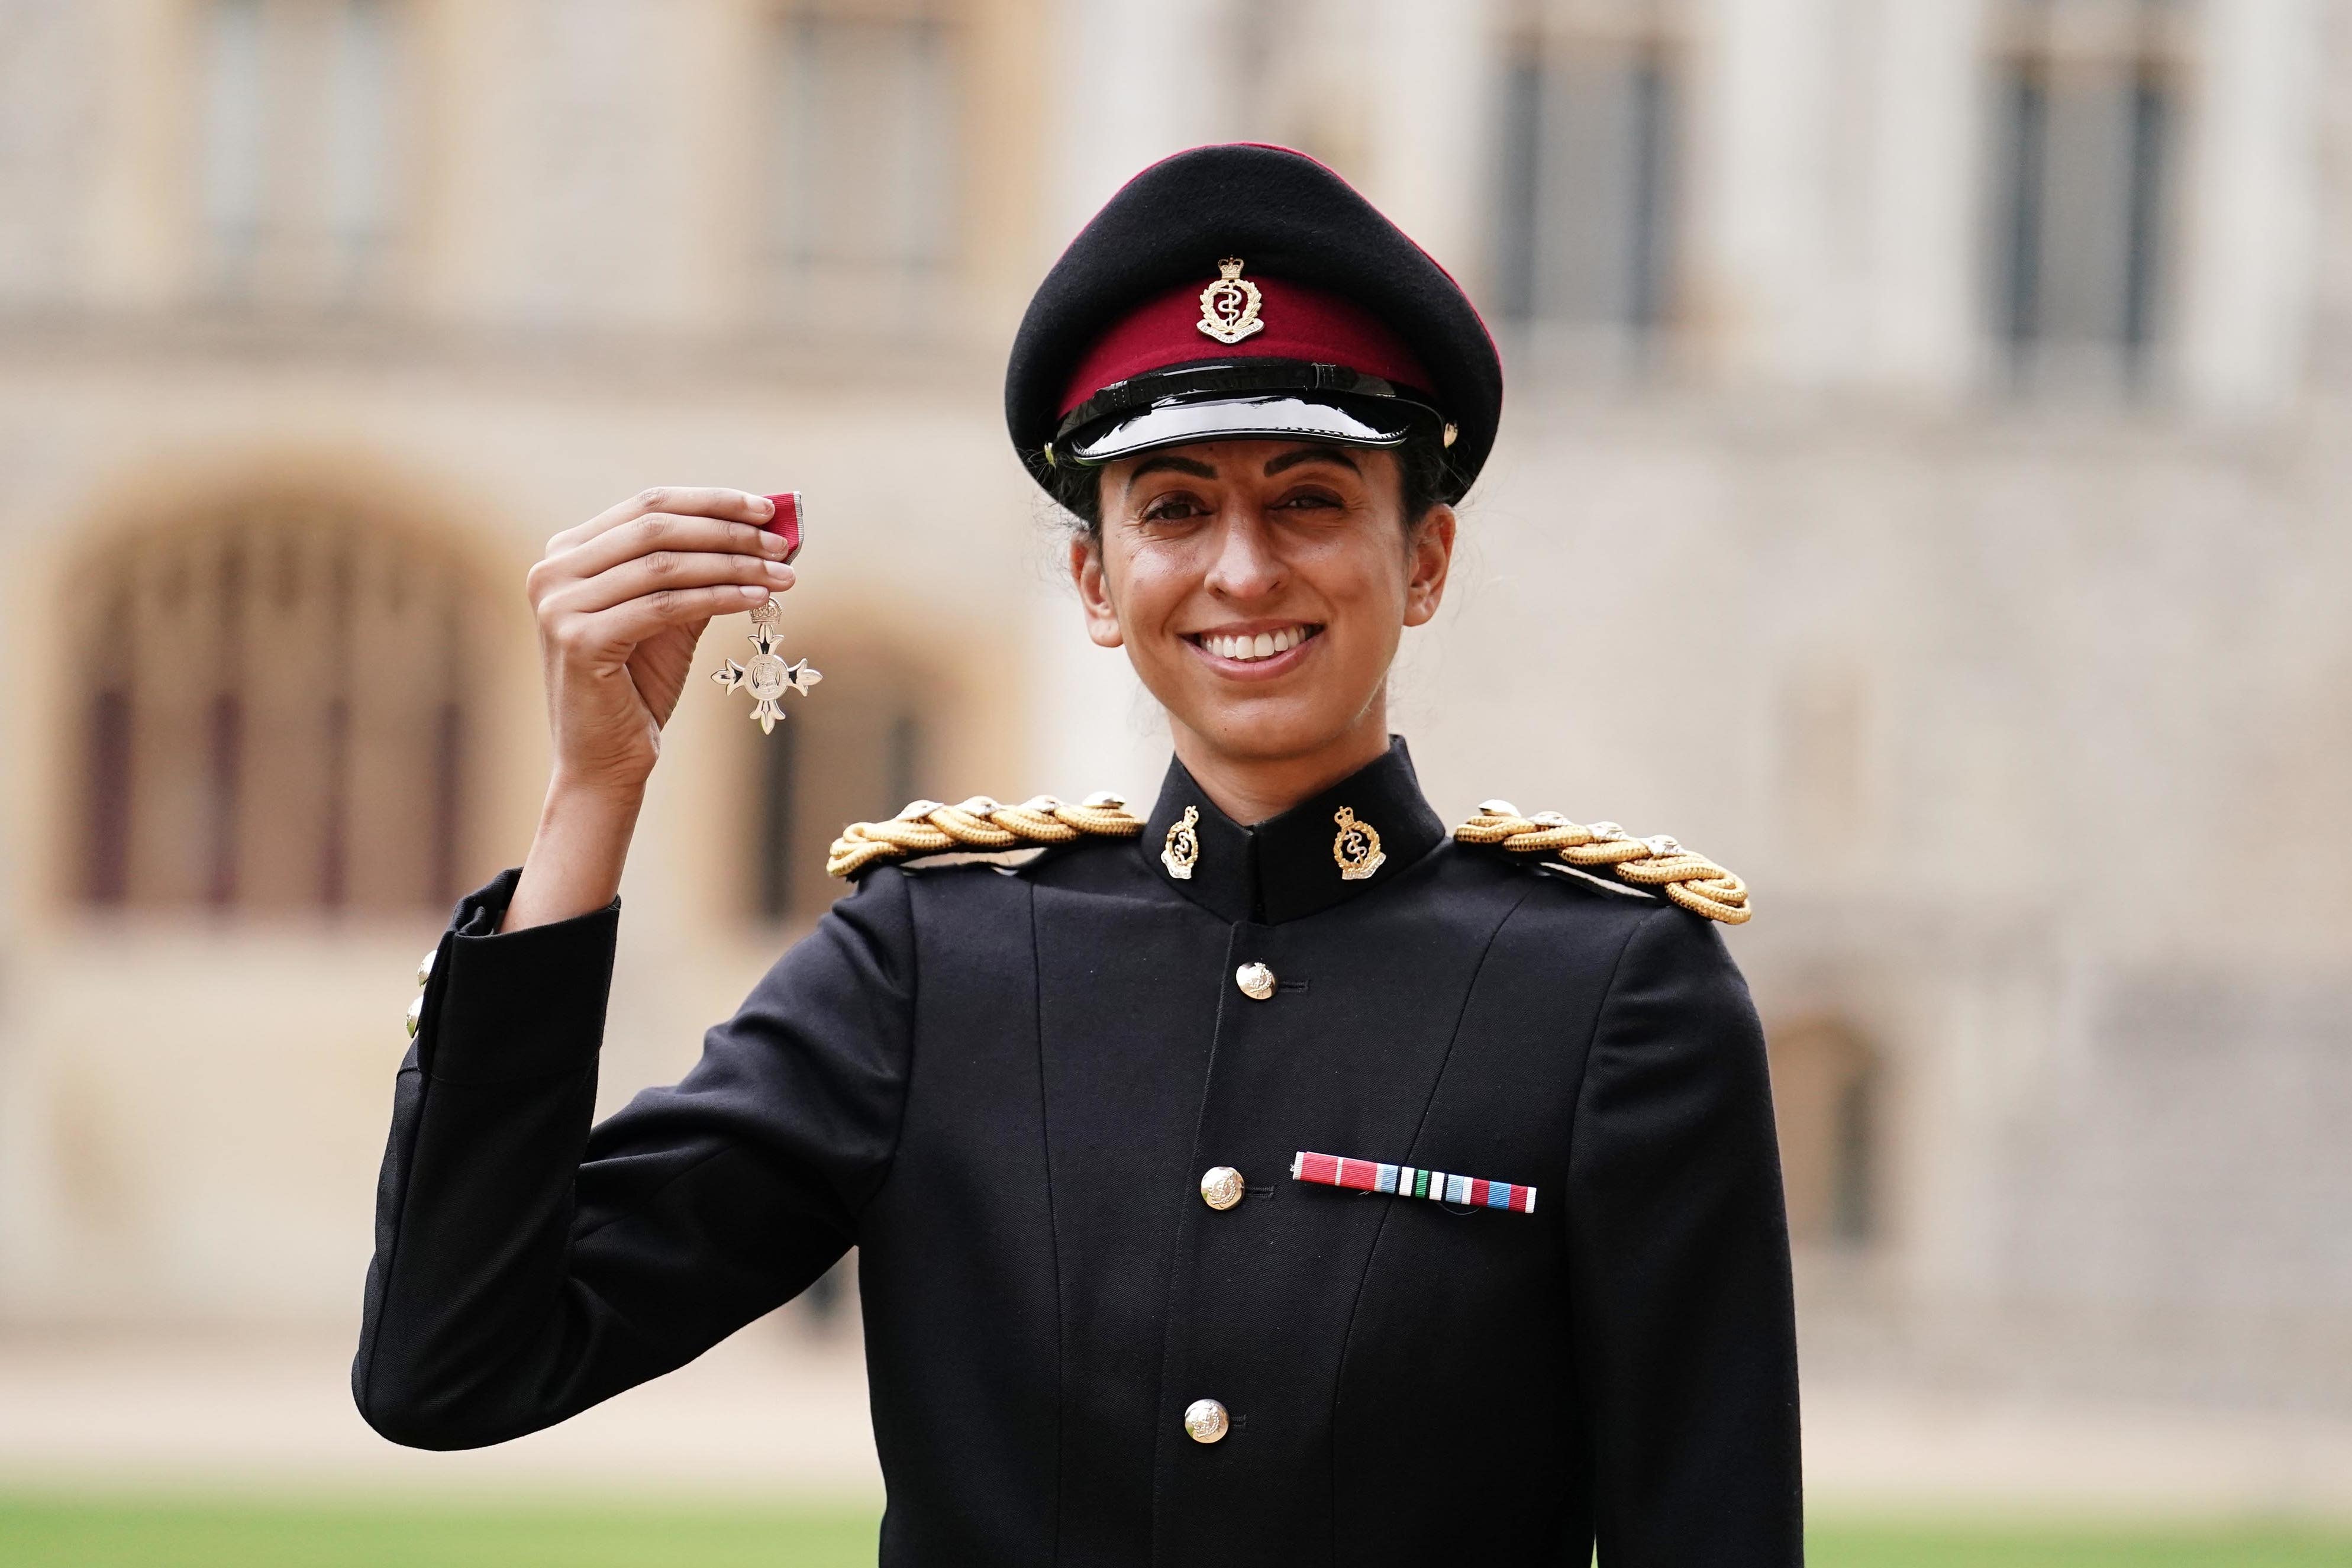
column 424, row 965
column 1220, row 1187
column 1255, row 980
column 416, row 1014
column 1205, row 1421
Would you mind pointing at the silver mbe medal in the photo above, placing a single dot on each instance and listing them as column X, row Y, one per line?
column 767, row 675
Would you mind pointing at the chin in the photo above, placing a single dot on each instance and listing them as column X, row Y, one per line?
column 1265, row 731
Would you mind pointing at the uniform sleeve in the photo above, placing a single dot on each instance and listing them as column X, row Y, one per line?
column 527, row 1266
column 1685, row 1326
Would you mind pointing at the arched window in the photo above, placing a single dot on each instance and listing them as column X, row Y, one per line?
column 273, row 716
column 864, row 186
column 1827, row 1088
column 1590, row 109
column 2093, row 93
column 298, row 149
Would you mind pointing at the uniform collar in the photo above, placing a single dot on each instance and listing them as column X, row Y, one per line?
column 1296, row 864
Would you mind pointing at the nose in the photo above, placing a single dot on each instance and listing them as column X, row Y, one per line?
column 1245, row 566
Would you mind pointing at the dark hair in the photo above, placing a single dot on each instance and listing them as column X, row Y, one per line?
column 1422, row 465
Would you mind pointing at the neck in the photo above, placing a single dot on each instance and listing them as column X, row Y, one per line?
column 1250, row 788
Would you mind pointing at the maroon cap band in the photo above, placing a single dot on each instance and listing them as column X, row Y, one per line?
column 1294, row 322
column 1250, row 275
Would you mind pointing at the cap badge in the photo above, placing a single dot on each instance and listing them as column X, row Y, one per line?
column 1229, row 306
column 1356, row 848
column 1184, row 846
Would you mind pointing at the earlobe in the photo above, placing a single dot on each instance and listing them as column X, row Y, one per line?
column 1094, row 593
column 1432, row 558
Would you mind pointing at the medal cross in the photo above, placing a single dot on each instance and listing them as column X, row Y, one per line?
column 768, row 676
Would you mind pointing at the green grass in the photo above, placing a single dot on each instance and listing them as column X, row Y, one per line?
column 1900, row 1544
column 123, row 1533
column 129, row 1533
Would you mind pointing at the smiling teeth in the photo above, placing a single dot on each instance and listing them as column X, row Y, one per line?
column 1265, row 644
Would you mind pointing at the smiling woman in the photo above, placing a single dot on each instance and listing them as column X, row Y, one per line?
column 1260, row 589
column 1272, row 1177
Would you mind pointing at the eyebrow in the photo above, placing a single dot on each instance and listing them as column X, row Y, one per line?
column 1310, row 455
column 1191, row 466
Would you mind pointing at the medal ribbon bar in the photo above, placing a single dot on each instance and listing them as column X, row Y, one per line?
column 1410, row 1182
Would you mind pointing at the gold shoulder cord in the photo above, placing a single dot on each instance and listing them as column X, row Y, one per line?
column 1689, row 879
column 927, row 827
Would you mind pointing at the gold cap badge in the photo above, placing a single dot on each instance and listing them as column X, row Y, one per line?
column 1229, row 306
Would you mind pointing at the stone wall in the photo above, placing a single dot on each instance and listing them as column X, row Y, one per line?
column 2029, row 718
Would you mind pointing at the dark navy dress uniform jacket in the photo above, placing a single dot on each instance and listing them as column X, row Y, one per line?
column 1003, row 1086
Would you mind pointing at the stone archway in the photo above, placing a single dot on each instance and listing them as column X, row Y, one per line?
column 273, row 712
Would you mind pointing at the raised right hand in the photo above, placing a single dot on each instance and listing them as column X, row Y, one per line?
column 621, row 600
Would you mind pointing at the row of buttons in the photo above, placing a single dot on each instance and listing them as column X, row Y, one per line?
column 1221, row 1186
column 1205, row 1420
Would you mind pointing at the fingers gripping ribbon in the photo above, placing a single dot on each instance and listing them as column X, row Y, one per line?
column 1689, row 879
column 927, row 827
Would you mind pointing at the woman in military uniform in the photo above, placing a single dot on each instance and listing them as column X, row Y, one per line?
column 1275, row 1177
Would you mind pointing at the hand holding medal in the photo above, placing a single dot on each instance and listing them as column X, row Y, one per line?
column 768, row 676
column 619, row 602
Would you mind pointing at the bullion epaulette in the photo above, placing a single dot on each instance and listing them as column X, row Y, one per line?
column 927, row 827
column 1687, row 876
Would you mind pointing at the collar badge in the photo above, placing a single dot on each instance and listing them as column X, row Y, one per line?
column 1357, row 847
column 1229, row 306
column 1183, row 850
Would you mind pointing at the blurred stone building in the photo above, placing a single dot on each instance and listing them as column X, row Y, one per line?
column 1923, row 488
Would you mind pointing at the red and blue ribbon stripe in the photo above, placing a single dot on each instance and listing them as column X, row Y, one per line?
column 1410, row 1182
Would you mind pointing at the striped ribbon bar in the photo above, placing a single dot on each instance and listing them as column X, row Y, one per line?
column 1410, row 1182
